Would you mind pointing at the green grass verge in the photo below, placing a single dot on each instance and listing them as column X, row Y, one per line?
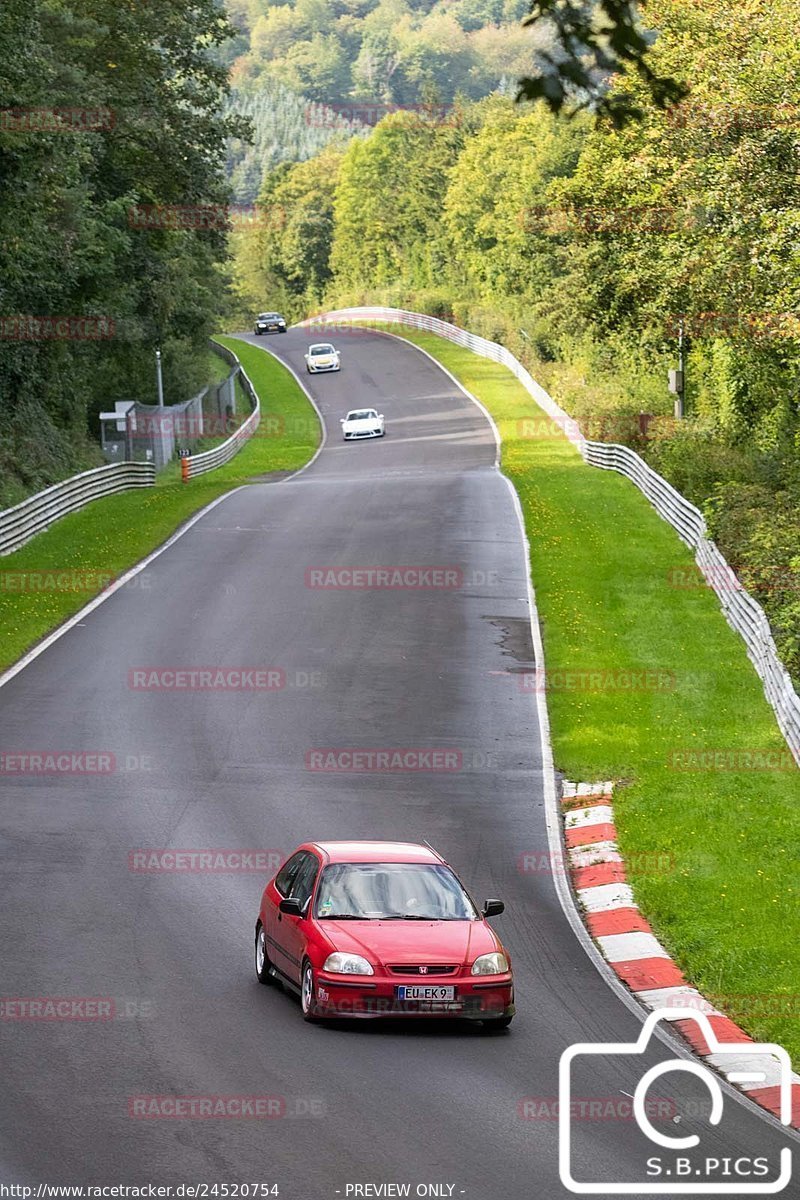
column 603, row 562
column 109, row 536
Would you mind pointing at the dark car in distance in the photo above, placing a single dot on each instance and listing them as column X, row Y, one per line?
column 269, row 322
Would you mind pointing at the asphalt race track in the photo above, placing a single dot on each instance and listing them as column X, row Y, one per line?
column 418, row 668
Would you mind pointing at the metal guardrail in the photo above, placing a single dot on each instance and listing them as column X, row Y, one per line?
column 209, row 460
column 22, row 522
column 742, row 612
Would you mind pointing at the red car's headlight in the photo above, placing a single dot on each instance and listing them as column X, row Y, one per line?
column 347, row 964
column 490, row 964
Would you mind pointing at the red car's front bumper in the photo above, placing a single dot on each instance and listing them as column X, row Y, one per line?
column 477, row 998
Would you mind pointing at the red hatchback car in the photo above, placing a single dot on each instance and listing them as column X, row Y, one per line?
column 381, row 929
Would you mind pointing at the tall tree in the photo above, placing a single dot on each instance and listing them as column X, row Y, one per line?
column 138, row 95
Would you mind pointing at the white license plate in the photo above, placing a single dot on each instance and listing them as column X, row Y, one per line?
column 414, row 991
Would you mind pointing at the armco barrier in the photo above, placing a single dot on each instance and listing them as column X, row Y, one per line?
column 19, row 524
column 741, row 611
column 209, row 460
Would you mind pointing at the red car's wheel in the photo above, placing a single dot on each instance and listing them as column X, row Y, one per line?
column 495, row 1023
column 262, row 959
column 308, row 992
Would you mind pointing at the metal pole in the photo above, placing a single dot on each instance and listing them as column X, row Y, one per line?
column 682, row 369
column 159, row 380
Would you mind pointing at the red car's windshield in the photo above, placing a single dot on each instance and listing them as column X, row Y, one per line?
column 392, row 891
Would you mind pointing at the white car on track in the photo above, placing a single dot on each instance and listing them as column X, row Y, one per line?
column 322, row 356
column 363, row 423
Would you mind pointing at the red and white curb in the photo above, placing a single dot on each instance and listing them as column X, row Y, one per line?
column 634, row 953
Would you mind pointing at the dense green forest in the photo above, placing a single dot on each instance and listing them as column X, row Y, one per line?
column 285, row 128
column 351, row 53
column 581, row 245
column 313, row 72
column 105, row 107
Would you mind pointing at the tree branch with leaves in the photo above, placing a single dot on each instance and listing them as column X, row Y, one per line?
column 595, row 40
